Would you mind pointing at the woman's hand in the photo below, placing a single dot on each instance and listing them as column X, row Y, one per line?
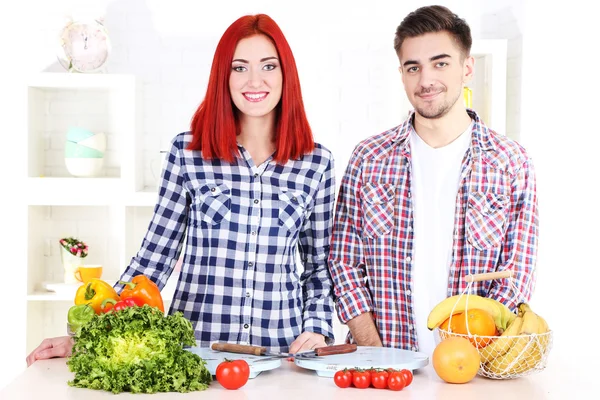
column 307, row 341
column 50, row 348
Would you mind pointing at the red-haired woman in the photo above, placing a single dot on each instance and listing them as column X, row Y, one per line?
column 247, row 188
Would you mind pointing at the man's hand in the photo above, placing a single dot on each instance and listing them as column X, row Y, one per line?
column 49, row 348
column 364, row 331
column 307, row 341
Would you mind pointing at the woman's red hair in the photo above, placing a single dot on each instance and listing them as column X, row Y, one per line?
column 214, row 125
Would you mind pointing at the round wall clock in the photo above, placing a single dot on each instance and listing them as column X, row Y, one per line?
column 84, row 46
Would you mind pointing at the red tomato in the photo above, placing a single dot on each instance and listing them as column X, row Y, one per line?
column 233, row 374
column 361, row 379
column 408, row 376
column 379, row 379
column 396, row 381
column 343, row 378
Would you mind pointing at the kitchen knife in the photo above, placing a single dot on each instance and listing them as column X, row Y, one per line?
column 262, row 351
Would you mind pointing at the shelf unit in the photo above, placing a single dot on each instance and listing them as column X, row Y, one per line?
column 489, row 82
column 110, row 212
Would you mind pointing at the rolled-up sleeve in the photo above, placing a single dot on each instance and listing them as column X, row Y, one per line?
column 519, row 250
column 314, row 242
column 346, row 257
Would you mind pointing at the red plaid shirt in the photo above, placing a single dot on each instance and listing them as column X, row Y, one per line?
column 495, row 228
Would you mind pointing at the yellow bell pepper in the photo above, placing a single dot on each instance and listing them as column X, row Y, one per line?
column 94, row 293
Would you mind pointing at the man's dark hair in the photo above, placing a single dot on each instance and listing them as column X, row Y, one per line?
column 433, row 19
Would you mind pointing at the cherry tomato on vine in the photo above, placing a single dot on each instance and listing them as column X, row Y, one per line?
column 379, row 379
column 408, row 376
column 361, row 379
column 233, row 374
column 396, row 381
column 343, row 378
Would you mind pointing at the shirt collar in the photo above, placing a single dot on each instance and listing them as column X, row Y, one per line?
column 481, row 137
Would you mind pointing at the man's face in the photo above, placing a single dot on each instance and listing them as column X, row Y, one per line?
column 433, row 73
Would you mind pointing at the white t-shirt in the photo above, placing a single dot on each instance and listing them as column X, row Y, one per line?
column 434, row 186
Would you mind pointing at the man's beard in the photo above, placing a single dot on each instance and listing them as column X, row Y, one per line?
column 440, row 110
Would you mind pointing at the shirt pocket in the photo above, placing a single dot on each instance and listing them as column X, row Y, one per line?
column 378, row 208
column 292, row 206
column 212, row 203
column 486, row 219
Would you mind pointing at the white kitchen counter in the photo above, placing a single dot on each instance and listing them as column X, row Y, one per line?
column 48, row 380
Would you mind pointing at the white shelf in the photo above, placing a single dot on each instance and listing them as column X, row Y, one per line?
column 64, row 80
column 57, row 191
column 74, row 191
column 146, row 198
column 49, row 296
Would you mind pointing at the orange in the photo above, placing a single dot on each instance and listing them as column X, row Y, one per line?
column 480, row 323
column 455, row 360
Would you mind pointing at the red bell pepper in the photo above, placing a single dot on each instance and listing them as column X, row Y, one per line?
column 113, row 305
column 142, row 288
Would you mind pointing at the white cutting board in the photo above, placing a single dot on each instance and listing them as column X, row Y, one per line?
column 365, row 357
column 214, row 358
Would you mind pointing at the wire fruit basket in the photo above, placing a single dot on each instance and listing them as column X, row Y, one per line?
column 521, row 350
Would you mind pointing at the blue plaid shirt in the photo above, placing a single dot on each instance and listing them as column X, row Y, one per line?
column 244, row 225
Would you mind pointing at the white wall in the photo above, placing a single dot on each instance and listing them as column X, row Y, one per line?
column 560, row 103
column 351, row 89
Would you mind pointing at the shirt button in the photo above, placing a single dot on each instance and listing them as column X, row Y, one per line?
column 250, row 264
column 247, row 294
column 212, row 189
column 408, row 194
column 410, row 228
column 294, row 200
column 255, row 201
column 253, row 233
column 407, row 259
column 256, row 175
column 246, row 326
column 408, row 292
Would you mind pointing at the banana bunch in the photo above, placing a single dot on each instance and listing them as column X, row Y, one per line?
column 501, row 314
column 521, row 346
